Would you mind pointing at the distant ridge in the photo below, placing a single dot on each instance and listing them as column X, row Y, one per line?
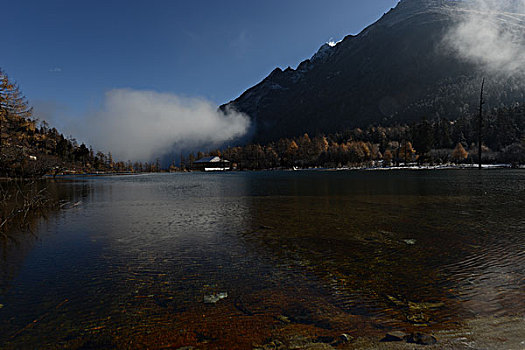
column 397, row 70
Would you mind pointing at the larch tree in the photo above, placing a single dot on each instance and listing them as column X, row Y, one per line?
column 387, row 157
column 14, row 110
column 459, row 154
column 12, row 102
column 291, row 152
column 5, row 88
column 407, row 151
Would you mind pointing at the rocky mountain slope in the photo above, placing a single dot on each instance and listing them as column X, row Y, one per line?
column 400, row 69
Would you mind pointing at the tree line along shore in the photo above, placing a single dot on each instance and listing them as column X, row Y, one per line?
column 30, row 148
column 427, row 142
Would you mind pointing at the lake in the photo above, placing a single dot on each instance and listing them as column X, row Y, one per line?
column 244, row 260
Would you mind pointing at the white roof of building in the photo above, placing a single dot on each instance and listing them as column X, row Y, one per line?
column 211, row 160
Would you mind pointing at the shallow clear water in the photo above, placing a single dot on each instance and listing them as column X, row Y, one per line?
column 305, row 252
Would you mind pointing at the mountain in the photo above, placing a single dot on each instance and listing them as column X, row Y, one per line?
column 400, row 69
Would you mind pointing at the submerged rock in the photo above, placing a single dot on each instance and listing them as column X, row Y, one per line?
column 393, row 336
column 414, row 338
column 271, row 345
column 283, row 319
column 213, row 298
column 421, row 339
column 343, row 339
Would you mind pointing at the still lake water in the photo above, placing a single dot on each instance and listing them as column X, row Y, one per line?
column 309, row 253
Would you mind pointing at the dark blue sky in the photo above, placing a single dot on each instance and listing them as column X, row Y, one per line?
column 69, row 53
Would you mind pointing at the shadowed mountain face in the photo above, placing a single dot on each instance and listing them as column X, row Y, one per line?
column 404, row 67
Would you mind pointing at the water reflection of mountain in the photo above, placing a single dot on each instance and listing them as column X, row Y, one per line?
column 420, row 249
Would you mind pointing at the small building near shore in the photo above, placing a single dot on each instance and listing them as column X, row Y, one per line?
column 212, row 164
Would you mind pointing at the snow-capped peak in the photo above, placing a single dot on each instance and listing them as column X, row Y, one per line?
column 333, row 43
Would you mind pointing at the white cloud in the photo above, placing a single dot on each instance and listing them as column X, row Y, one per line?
column 143, row 125
column 491, row 34
column 55, row 70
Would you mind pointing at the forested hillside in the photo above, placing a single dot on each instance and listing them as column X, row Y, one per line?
column 425, row 142
column 398, row 70
column 30, row 148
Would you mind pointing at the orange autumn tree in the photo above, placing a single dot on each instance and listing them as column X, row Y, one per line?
column 406, row 151
column 459, row 154
column 387, row 157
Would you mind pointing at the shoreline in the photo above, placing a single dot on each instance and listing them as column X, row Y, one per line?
column 412, row 167
column 394, row 168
